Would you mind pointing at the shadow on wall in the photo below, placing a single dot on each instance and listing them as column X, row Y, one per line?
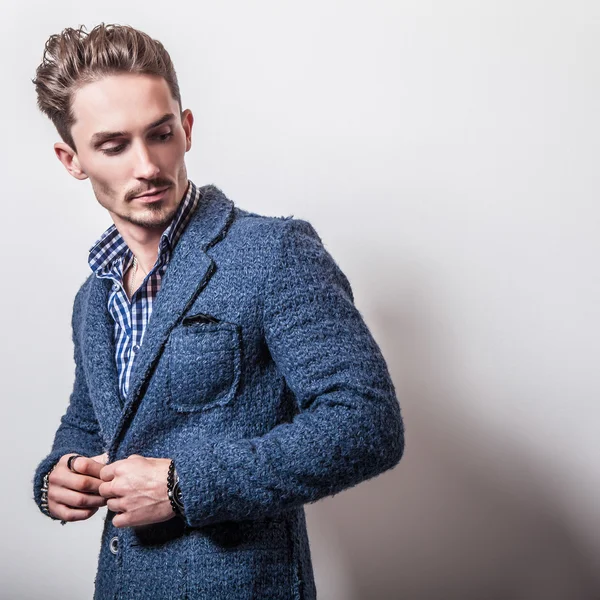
column 463, row 516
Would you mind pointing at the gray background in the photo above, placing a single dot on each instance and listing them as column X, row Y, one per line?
column 446, row 153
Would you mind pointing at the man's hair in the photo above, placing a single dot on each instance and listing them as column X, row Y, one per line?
column 74, row 58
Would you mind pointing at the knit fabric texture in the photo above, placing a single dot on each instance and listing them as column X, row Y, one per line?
column 259, row 377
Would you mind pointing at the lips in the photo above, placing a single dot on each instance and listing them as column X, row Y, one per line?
column 153, row 192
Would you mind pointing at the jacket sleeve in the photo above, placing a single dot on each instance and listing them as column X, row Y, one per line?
column 78, row 430
column 349, row 426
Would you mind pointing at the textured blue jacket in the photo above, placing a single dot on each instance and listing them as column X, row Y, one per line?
column 259, row 377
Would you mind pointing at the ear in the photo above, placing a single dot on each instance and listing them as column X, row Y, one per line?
column 69, row 159
column 187, row 121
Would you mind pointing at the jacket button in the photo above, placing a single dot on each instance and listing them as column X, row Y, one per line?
column 114, row 545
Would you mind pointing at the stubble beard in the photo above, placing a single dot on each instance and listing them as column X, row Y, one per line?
column 152, row 216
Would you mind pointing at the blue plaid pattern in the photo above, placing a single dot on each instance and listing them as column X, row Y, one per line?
column 110, row 257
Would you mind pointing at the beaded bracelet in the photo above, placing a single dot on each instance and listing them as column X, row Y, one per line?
column 44, row 500
column 173, row 490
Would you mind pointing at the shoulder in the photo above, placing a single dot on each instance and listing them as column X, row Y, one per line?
column 291, row 255
column 272, row 233
column 280, row 251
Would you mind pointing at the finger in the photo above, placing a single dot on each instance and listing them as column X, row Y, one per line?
column 64, row 460
column 117, row 505
column 66, row 513
column 74, row 499
column 62, row 477
column 122, row 520
column 65, row 457
column 107, row 472
column 101, row 458
column 107, row 490
column 87, row 466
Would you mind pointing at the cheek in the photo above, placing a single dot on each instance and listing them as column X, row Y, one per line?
column 173, row 153
column 110, row 177
column 108, row 189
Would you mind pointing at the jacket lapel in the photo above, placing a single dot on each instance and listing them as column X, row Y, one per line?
column 189, row 270
column 98, row 352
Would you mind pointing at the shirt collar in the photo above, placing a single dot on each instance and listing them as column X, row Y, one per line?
column 110, row 248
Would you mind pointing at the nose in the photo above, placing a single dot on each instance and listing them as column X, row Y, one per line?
column 145, row 166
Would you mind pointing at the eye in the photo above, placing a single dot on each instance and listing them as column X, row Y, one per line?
column 163, row 137
column 113, row 149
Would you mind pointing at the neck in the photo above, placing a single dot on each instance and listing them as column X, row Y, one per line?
column 145, row 255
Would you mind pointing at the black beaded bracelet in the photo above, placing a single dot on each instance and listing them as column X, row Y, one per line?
column 173, row 490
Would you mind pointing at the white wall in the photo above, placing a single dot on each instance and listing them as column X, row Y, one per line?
column 446, row 152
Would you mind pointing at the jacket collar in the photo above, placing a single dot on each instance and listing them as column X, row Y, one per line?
column 189, row 270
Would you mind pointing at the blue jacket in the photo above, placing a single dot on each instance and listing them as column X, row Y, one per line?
column 258, row 376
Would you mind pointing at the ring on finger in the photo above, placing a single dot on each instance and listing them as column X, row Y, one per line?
column 70, row 463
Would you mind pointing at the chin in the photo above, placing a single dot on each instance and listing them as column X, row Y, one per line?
column 156, row 217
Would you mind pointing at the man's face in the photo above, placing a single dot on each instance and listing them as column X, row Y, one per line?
column 130, row 140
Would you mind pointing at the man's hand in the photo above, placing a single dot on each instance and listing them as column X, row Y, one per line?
column 74, row 496
column 136, row 489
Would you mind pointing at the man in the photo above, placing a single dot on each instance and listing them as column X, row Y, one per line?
column 224, row 377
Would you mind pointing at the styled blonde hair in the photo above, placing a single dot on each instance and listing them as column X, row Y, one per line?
column 74, row 58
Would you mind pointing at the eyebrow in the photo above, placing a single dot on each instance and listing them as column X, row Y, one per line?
column 103, row 136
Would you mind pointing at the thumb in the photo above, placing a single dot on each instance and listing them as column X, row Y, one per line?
column 101, row 458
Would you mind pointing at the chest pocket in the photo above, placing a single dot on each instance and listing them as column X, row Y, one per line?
column 204, row 363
